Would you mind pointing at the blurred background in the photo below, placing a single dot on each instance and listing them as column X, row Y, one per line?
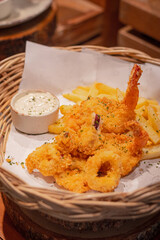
column 126, row 23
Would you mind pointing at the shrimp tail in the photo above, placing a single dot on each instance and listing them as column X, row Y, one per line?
column 132, row 92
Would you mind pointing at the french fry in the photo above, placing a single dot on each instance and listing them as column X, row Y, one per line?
column 153, row 119
column 143, row 101
column 151, row 152
column 104, row 89
column 152, row 101
column 155, row 107
column 153, row 135
column 86, row 88
column 64, row 109
column 142, row 111
column 79, row 91
column 56, row 127
column 74, row 97
column 93, row 92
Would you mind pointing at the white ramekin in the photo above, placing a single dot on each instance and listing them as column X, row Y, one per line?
column 5, row 8
column 32, row 124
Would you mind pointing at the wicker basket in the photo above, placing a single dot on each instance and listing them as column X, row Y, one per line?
column 77, row 215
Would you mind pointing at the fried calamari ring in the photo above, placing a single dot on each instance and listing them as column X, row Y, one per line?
column 55, row 165
column 103, row 171
column 73, row 180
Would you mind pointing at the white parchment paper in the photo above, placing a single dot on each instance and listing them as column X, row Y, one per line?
column 59, row 71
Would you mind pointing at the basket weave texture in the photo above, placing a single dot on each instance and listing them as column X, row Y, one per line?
column 62, row 204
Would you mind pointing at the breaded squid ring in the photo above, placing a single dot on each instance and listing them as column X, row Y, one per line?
column 103, row 171
column 73, row 180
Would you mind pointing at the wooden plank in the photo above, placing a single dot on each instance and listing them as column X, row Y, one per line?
column 96, row 41
column 102, row 3
column 82, row 21
column 79, row 5
column 111, row 23
column 142, row 16
column 128, row 37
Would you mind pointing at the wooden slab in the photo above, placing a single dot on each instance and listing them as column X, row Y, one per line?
column 128, row 37
column 111, row 23
column 101, row 3
column 142, row 15
column 78, row 21
column 39, row 29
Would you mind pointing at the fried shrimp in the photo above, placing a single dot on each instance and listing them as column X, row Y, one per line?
column 122, row 112
column 132, row 93
column 103, row 171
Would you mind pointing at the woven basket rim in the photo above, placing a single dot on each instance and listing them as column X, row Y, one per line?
column 136, row 204
column 134, row 54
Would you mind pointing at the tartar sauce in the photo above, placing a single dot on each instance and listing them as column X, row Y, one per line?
column 36, row 103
